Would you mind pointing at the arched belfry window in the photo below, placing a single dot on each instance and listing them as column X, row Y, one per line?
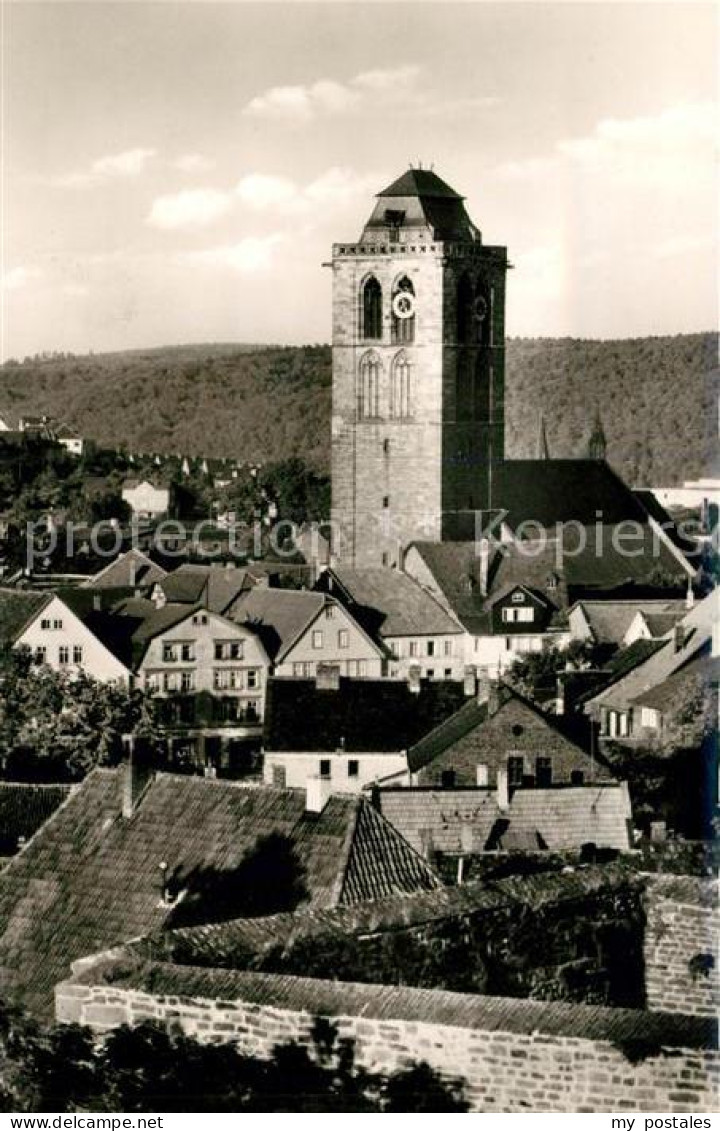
column 401, row 387
column 465, row 311
column 403, row 312
column 368, row 386
column 371, row 312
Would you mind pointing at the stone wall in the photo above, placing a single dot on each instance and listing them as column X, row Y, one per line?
column 513, row 1055
column 682, row 929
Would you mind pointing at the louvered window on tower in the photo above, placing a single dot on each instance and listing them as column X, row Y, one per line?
column 372, row 310
column 400, row 387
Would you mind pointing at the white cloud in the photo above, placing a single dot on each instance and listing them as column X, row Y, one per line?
column 19, row 277
column 402, row 88
column 247, row 257
column 191, row 208
column 332, row 189
column 129, row 163
column 193, row 163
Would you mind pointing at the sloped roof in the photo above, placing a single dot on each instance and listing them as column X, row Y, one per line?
column 563, row 490
column 554, row 818
column 659, row 624
column 160, row 620
column 215, row 586
column 17, row 609
column 610, row 620
column 421, row 182
column 670, row 695
column 24, row 807
column 279, row 616
column 665, row 658
column 424, row 201
column 391, row 603
column 133, row 568
column 113, row 631
column 90, row 878
column 361, row 715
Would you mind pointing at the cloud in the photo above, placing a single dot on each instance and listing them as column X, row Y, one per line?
column 191, row 208
column 193, row 163
column 249, row 256
column 402, row 88
column 129, row 163
column 332, row 189
column 19, row 277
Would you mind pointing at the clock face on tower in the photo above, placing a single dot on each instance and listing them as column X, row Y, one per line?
column 403, row 305
column 480, row 309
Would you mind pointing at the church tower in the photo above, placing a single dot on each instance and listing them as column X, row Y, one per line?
column 418, row 374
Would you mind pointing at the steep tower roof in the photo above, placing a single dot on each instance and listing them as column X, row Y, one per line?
column 423, row 203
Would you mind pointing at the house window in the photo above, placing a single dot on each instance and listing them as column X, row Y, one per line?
column 317, row 639
column 577, row 777
column 386, row 447
column 329, row 612
column 447, row 674
column 57, row 624
column 371, row 315
column 447, row 647
column 187, row 681
column 343, row 638
column 447, row 779
column 77, row 654
column 516, row 770
column 430, row 648
column 229, row 649
column 430, row 673
column 386, row 501
column 45, row 623
column 168, row 653
column 63, row 654
column 187, row 652
column 413, row 648
column 325, row 771
column 200, row 618
column 385, row 560
column 353, row 768
column 543, row 772
column 279, row 777
column 253, row 679
column 302, row 670
column 518, row 598
column 40, row 655
column 510, row 616
column 482, row 774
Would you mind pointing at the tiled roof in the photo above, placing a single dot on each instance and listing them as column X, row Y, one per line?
column 279, row 616
column 362, row 714
column 421, row 182
column 563, row 490
column 214, row 586
column 424, row 201
column 131, row 569
column 670, row 695
column 390, row 603
column 610, row 620
column 316, row 997
column 553, row 818
column 17, row 609
column 90, row 878
column 24, row 807
column 660, row 624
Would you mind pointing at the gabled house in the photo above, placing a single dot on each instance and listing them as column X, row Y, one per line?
column 127, row 856
column 76, row 629
column 208, row 675
column 131, row 570
column 617, row 623
column 216, row 587
column 617, row 707
column 302, row 630
column 349, row 732
column 412, row 626
column 500, row 731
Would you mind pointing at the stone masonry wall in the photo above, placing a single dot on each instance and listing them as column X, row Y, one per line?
column 514, row 1056
column 682, row 929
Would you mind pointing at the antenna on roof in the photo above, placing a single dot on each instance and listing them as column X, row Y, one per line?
column 419, row 164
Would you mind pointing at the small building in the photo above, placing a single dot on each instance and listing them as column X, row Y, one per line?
column 218, row 588
column 303, row 630
column 70, row 439
column 616, row 623
column 410, row 624
column 145, row 499
column 349, row 732
column 131, row 570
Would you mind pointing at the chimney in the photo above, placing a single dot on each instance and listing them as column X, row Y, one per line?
column 484, row 564
column 317, row 794
column 327, row 677
column 679, row 637
column 97, row 602
column 133, row 572
column 559, row 694
column 494, row 701
column 414, row 676
column 470, row 682
column 503, row 789
column 689, row 596
column 134, row 776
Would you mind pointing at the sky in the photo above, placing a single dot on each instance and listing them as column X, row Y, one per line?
column 178, row 172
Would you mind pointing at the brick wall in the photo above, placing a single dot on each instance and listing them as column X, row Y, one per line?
column 514, row 1055
column 681, row 963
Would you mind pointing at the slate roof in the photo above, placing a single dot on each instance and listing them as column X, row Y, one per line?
column 24, row 807
column 362, row 714
column 563, row 490
column 279, row 616
column 421, row 182
column 670, row 695
column 424, row 200
column 89, row 879
column 554, row 818
column 17, row 609
column 390, row 603
column 131, row 569
column 214, row 586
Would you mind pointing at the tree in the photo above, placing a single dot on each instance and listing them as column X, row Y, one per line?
column 59, row 725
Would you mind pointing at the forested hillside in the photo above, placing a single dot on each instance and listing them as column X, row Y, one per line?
column 657, row 397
